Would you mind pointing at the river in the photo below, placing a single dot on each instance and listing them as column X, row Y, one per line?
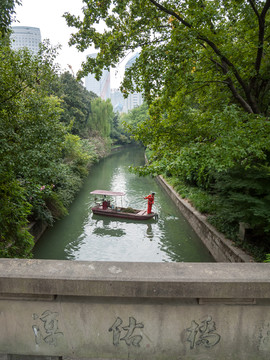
column 84, row 236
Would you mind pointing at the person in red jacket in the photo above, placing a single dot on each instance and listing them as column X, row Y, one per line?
column 150, row 202
column 105, row 203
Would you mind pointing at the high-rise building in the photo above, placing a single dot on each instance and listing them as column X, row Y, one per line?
column 132, row 60
column 135, row 99
column 117, row 100
column 100, row 87
column 25, row 37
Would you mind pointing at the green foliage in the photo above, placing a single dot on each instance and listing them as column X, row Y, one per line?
column 37, row 196
column 128, row 210
column 204, row 72
column 223, row 213
column 76, row 103
column 77, row 154
column 30, row 143
column 192, row 143
column 118, row 134
column 42, row 165
column 38, row 157
column 202, row 200
column 137, row 115
column 101, row 145
column 68, row 184
column 55, row 206
column 101, row 117
column 216, row 53
column 134, row 119
column 6, row 15
column 15, row 240
column 244, row 196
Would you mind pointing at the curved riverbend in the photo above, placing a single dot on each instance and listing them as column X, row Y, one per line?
column 84, row 236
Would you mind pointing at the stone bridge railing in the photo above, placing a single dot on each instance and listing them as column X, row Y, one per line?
column 139, row 311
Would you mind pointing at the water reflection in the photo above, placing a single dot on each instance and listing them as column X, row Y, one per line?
column 104, row 227
column 149, row 232
column 84, row 236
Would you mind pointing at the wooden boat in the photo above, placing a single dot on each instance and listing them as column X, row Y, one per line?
column 106, row 209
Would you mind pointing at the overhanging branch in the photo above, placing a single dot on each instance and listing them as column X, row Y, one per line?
column 170, row 12
column 250, row 106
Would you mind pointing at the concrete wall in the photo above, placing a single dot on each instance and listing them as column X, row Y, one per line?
column 139, row 311
column 37, row 228
column 222, row 249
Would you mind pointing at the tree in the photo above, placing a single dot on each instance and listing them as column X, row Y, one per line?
column 118, row 134
column 204, row 71
column 216, row 45
column 76, row 102
column 135, row 120
column 137, row 115
column 41, row 165
column 31, row 140
column 6, row 15
column 101, row 117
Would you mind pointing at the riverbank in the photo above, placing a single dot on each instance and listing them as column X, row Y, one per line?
column 87, row 237
column 222, row 249
column 101, row 150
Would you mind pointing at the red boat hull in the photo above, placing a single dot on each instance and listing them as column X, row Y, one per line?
column 117, row 213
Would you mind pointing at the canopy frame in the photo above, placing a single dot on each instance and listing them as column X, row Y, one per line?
column 107, row 193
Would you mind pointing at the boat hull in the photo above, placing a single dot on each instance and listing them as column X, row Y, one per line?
column 117, row 213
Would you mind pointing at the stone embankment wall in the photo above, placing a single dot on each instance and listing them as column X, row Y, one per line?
column 221, row 248
column 37, row 228
column 134, row 311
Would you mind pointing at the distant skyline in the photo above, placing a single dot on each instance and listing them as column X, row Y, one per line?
column 48, row 16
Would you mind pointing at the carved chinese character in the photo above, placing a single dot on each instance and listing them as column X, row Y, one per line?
column 129, row 338
column 203, row 333
column 49, row 332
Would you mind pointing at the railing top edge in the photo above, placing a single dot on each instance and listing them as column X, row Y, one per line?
column 135, row 271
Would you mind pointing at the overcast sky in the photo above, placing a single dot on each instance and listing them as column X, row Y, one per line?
column 48, row 16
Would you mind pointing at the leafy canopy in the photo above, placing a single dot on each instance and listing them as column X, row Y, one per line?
column 6, row 15
column 75, row 101
column 204, row 71
column 189, row 45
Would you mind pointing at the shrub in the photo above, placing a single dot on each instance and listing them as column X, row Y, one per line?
column 15, row 240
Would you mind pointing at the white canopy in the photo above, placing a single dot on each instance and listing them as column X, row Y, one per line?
column 108, row 193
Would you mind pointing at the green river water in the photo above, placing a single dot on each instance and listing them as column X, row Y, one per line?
column 84, row 236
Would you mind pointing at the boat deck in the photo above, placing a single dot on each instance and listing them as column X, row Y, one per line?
column 142, row 212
